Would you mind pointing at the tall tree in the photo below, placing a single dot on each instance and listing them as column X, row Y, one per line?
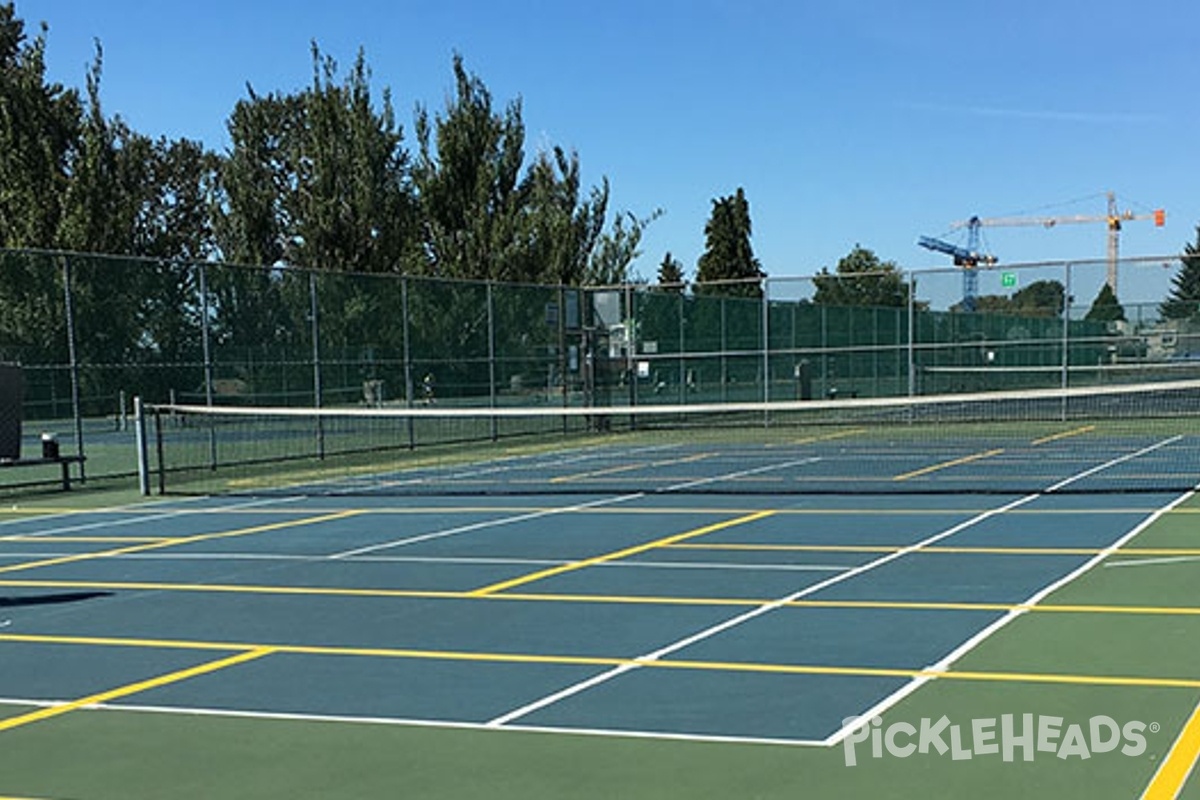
column 617, row 249
column 110, row 172
column 1106, row 307
column 251, row 222
column 39, row 128
column 352, row 210
column 1184, row 300
column 728, row 254
column 670, row 273
column 862, row 279
column 317, row 178
column 558, row 229
column 467, row 176
column 1040, row 299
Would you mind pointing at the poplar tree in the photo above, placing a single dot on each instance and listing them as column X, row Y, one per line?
column 728, row 254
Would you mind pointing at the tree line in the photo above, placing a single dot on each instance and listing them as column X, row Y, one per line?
column 327, row 178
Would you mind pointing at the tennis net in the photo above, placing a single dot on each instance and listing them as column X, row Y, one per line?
column 1098, row 439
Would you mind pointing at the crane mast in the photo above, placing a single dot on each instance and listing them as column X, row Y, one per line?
column 1113, row 220
column 969, row 258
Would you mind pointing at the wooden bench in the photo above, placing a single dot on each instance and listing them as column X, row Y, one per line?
column 64, row 461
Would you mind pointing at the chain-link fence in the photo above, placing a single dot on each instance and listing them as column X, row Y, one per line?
column 91, row 332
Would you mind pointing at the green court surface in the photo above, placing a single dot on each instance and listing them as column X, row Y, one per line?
column 633, row 646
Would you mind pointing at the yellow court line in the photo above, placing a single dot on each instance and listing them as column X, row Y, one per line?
column 630, row 468
column 947, row 464
column 133, row 688
column 617, row 554
column 604, row 599
column 203, row 537
column 1064, row 435
column 1173, row 773
column 789, row 548
column 253, row 651
column 828, row 437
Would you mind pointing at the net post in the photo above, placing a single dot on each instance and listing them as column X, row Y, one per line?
column 143, row 461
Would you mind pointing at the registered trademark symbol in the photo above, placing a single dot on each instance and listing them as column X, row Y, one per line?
column 1155, row 727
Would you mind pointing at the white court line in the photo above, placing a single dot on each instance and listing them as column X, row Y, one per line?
column 1114, row 462
column 1147, row 562
column 970, row 644
column 102, row 510
column 711, row 631
column 744, row 617
column 741, row 474
column 424, row 537
column 136, row 520
column 413, row 723
column 475, row 526
column 515, row 463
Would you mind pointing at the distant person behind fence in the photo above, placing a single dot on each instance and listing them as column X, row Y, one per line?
column 427, row 388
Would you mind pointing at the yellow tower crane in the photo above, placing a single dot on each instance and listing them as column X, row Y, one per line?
column 1113, row 219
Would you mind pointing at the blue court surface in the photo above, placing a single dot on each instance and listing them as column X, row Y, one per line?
column 755, row 618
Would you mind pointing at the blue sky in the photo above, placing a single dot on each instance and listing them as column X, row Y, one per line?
column 859, row 121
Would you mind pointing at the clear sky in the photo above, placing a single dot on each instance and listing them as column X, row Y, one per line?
column 846, row 121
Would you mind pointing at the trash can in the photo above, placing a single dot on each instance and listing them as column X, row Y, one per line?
column 12, row 397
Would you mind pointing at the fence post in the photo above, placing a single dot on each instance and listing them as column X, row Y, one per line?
column 206, row 344
column 724, row 364
column 72, row 350
column 314, row 309
column 562, row 350
column 912, row 327
column 408, row 377
column 1066, row 336
column 683, row 387
column 491, row 327
column 766, row 339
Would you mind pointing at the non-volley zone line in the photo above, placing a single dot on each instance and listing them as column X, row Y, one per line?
column 598, row 599
column 173, row 542
column 250, row 651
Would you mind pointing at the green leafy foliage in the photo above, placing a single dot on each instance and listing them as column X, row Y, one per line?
column 861, row 279
column 1184, row 300
column 670, row 274
column 1106, row 307
column 1042, row 298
